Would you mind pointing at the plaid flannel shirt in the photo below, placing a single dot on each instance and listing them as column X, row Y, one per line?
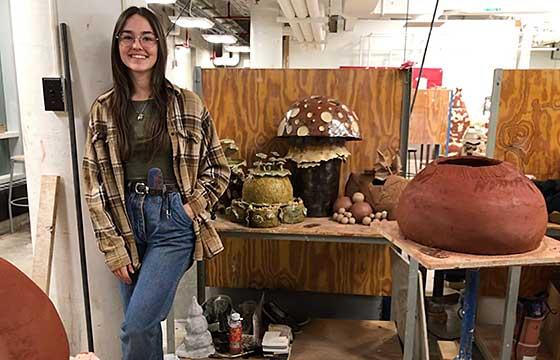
column 199, row 164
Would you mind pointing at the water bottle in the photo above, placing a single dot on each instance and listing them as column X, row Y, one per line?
column 235, row 334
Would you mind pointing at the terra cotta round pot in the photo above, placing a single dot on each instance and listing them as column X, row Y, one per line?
column 474, row 205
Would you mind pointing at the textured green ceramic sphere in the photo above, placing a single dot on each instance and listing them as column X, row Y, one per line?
column 267, row 190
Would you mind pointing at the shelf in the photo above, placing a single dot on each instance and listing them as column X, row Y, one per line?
column 324, row 339
column 9, row 135
column 488, row 338
column 347, row 339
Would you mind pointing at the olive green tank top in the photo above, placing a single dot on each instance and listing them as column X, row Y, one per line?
column 140, row 159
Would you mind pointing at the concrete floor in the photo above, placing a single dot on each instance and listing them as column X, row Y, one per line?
column 17, row 249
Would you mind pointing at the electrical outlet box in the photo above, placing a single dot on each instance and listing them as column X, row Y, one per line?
column 555, row 54
column 53, row 94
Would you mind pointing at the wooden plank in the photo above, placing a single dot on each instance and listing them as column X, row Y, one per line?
column 429, row 120
column 46, row 221
column 348, row 340
column 399, row 306
column 302, row 266
column 527, row 135
column 437, row 259
column 311, row 227
column 488, row 338
column 448, row 350
column 247, row 105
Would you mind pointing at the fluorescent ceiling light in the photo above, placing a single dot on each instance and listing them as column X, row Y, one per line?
column 160, row 1
column 192, row 22
column 220, row 39
column 237, row 48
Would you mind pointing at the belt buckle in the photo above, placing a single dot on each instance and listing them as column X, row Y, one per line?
column 138, row 191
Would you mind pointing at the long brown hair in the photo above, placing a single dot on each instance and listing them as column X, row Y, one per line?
column 120, row 103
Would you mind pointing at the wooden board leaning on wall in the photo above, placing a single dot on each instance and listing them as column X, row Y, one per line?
column 528, row 135
column 247, row 106
column 428, row 121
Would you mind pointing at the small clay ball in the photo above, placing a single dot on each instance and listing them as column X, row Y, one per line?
column 366, row 220
column 335, row 216
column 348, row 214
column 378, row 216
column 384, row 214
column 341, row 210
column 372, row 216
column 352, row 220
column 339, row 217
column 342, row 202
column 358, row 197
column 360, row 210
column 344, row 220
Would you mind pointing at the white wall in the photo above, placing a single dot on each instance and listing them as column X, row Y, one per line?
column 542, row 60
column 47, row 150
column 266, row 35
column 467, row 50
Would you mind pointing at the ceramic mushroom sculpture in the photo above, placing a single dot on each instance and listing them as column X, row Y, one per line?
column 237, row 166
column 318, row 128
column 267, row 196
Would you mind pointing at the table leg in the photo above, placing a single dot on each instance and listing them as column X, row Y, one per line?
column 469, row 315
column 438, row 283
column 170, row 327
column 411, row 309
column 200, row 282
column 514, row 275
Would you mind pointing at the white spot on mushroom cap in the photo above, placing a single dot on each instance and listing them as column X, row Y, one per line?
column 292, row 113
column 303, row 131
column 326, row 116
column 281, row 127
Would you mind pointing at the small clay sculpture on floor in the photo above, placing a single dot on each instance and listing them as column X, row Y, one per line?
column 197, row 343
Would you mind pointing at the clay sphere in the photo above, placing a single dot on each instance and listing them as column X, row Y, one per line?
column 343, row 202
column 358, row 197
column 360, row 210
column 474, row 205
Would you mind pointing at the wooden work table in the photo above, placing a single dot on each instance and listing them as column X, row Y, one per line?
column 311, row 229
column 387, row 232
column 547, row 253
column 436, row 259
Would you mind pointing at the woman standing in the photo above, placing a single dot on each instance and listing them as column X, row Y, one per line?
column 153, row 167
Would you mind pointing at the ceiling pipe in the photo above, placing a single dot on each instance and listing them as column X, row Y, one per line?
column 301, row 11
column 210, row 12
column 289, row 13
column 227, row 60
column 315, row 11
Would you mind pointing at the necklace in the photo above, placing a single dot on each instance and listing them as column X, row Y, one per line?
column 140, row 114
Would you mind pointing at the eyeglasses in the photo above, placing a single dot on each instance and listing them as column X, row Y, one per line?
column 146, row 40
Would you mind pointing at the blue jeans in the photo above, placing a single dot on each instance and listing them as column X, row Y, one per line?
column 165, row 239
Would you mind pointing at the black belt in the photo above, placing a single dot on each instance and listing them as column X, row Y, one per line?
column 143, row 189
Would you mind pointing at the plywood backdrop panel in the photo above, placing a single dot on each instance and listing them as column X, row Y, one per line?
column 528, row 135
column 247, row 106
column 428, row 121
